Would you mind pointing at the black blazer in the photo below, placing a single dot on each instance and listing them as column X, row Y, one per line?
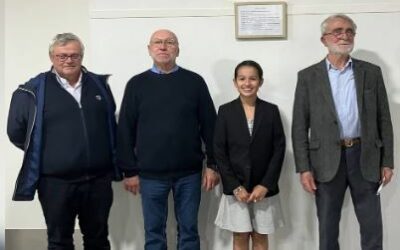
column 245, row 159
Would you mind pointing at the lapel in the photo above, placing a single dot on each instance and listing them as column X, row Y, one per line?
column 359, row 77
column 242, row 122
column 258, row 116
column 325, row 86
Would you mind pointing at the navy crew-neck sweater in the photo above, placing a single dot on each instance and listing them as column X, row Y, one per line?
column 162, row 122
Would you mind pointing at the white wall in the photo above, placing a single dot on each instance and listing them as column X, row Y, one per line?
column 192, row 4
column 116, row 34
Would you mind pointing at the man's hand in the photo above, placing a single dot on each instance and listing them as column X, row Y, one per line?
column 386, row 175
column 308, row 182
column 258, row 193
column 132, row 184
column 210, row 179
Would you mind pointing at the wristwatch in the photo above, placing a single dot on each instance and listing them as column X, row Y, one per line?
column 237, row 190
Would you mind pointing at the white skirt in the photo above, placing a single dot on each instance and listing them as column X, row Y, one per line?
column 263, row 217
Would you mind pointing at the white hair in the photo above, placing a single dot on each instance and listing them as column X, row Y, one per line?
column 64, row 38
column 325, row 23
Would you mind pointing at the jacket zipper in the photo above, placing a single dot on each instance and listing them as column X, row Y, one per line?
column 29, row 134
column 85, row 134
column 34, row 118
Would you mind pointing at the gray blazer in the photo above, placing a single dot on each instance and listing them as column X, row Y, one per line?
column 315, row 128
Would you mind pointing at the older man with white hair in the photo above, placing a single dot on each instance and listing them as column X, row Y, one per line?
column 342, row 135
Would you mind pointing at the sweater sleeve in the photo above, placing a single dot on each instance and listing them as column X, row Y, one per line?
column 207, row 117
column 126, row 133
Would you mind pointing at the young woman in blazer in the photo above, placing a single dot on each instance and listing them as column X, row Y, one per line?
column 249, row 147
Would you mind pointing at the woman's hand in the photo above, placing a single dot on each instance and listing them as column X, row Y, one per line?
column 241, row 194
column 258, row 193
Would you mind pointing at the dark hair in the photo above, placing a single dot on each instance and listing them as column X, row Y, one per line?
column 250, row 63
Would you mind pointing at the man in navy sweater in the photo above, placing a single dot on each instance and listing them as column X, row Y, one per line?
column 64, row 121
column 166, row 114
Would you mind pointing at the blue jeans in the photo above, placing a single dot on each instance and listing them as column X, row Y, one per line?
column 187, row 193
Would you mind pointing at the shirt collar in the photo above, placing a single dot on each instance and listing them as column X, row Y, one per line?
column 64, row 82
column 157, row 70
column 330, row 66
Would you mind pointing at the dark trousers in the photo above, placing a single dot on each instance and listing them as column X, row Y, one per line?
column 63, row 201
column 329, row 200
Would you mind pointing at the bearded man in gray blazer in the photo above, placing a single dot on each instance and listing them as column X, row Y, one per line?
column 342, row 135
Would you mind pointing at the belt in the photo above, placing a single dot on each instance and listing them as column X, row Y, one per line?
column 350, row 142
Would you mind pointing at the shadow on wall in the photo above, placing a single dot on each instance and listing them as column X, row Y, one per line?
column 393, row 92
column 207, row 213
column 126, row 221
column 298, row 206
column 226, row 90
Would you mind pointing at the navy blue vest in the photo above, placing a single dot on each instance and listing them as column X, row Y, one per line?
column 76, row 142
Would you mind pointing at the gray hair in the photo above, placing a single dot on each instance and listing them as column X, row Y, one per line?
column 325, row 23
column 63, row 39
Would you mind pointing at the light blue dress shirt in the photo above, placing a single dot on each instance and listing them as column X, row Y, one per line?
column 344, row 94
column 156, row 70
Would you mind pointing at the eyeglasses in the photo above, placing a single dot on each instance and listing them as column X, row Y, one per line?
column 64, row 57
column 159, row 43
column 338, row 33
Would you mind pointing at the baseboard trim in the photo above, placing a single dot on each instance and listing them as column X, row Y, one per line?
column 33, row 239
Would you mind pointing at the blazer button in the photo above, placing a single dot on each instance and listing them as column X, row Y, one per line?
column 335, row 122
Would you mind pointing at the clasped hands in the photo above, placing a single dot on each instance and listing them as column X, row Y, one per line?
column 257, row 194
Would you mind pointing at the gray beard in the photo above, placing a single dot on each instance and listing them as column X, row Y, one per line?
column 338, row 51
